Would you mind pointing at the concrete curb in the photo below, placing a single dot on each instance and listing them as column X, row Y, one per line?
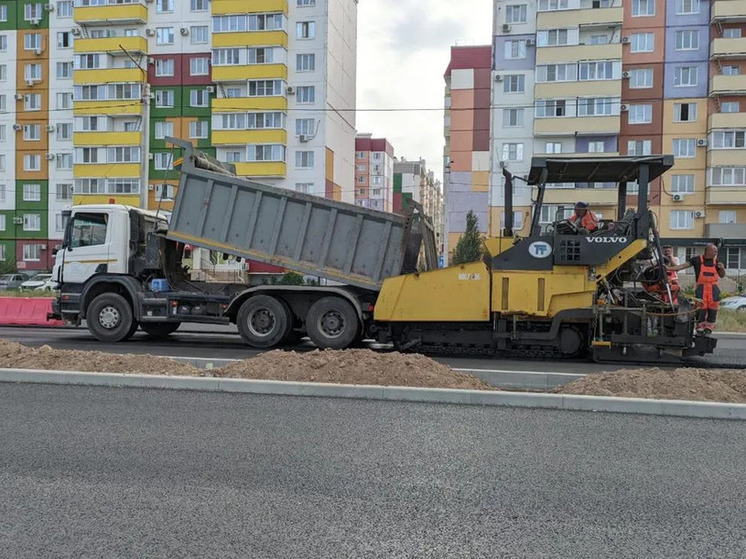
column 712, row 410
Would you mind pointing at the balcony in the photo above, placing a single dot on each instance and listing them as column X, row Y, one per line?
column 568, row 126
column 563, row 90
column 112, row 45
column 112, row 14
column 573, row 53
column 220, row 7
column 120, row 138
column 726, row 157
column 727, row 120
column 249, row 72
column 102, row 170
column 250, row 39
column 112, row 107
column 245, row 104
column 726, row 195
column 572, row 18
column 261, row 169
column 729, row 48
column 727, row 11
column 242, row 137
column 108, row 75
column 728, row 85
column 568, row 196
column 726, row 230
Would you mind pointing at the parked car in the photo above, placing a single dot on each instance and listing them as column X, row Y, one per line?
column 737, row 303
column 40, row 282
column 12, row 281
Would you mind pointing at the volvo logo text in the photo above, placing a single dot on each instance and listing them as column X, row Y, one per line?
column 621, row 240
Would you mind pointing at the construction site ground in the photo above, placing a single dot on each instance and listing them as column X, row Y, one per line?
column 366, row 367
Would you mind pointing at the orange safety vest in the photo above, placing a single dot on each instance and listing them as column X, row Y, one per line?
column 588, row 221
column 707, row 280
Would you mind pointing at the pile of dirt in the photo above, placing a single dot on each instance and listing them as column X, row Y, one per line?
column 352, row 366
column 713, row 385
column 17, row 356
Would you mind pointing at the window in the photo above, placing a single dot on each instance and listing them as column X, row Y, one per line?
column 2, row 223
column 200, row 34
column 87, row 61
column 597, row 106
column 64, row 40
column 123, row 186
column 517, row 220
column 306, row 4
column 727, row 216
column 162, row 161
column 685, row 112
column 548, row 108
column 234, row 156
column 3, row 13
column 3, row 72
column 198, row 129
column 306, row 30
column 3, row 103
column 728, row 139
column 641, row 78
column 682, row 184
column 32, row 72
column 515, row 13
column 32, row 132
column 199, row 98
column 684, row 7
column 515, row 49
column 268, row 22
column 89, row 123
column 552, row 38
column 33, row 11
column 198, row 5
column 512, row 152
column 31, row 222
column 261, row 55
column 684, row 147
column 682, row 219
column 31, row 252
column 64, row 8
column 685, row 76
column 596, row 70
column 599, row 39
column 3, row 42
column 229, row 23
column 552, row 5
column 64, row 131
column 89, row 186
column 551, row 213
column 640, row 114
column 515, row 83
column 304, row 126
column 732, row 33
column 642, row 42
column 643, row 8
column 164, row 67
column 639, row 147
column 269, row 152
column 88, row 229
column 86, row 155
column 64, row 161
column 163, row 129
column 596, row 147
column 731, row 70
column 163, row 6
column 687, row 39
column 32, row 162
column 553, row 147
column 305, row 62
column 306, row 94
column 304, row 187
column 265, row 120
column 226, row 57
column 60, row 222
column 32, row 193
column 730, row 107
column 512, row 118
column 64, row 100
column 2, row 133
column 164, row 98
column 265, row 88
column 64, row 70
column 304, row 160
column 557, row 73
column 164, row 36
column 32, row 41
column 125, row 154
column 199, row 66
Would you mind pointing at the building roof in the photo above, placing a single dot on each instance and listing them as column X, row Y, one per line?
column 367, row 143
column 469, row 57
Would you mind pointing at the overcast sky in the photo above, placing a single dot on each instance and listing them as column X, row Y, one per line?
column 403, row 51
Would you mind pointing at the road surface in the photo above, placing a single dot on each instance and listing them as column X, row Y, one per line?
column 129, row 473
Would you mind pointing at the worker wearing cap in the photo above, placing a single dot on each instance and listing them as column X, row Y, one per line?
column 585, row 220
column 708, row 271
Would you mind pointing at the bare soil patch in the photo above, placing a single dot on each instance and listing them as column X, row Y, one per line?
column 712, row 385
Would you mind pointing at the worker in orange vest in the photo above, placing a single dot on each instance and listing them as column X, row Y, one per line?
column 584, row 219
column 708, row 271
column 673, row 276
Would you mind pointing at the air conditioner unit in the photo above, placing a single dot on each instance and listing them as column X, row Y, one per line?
column 76, row 31
column 677, row 197
column 37, row 52
column 210, row 89
column 498, row 78
column 151, row 60
column 50, row 127
column 702, row 142
column 49, row 7
column 17, row 127
column 624, row 108
column 625, row 39
column 151, row 156
column 290, row 90
column 17, row 221
column 530, row 42
column 150, row 31
column 42, row 247
column 35, row 21
column 30, row 83
column 699, row 213
column 151, row 187
column 303, row 138
column 184, row 31
column 625, row 75
column 49, row 156
column 19, row 97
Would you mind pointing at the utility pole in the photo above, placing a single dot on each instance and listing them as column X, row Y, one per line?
column 145, row 129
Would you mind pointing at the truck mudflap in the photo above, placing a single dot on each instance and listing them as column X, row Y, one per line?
column 55, row 314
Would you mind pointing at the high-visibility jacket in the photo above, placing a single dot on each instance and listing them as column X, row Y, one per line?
column 707, row 284
column 589, row 221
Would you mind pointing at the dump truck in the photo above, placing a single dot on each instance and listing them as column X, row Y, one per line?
column 553, row 293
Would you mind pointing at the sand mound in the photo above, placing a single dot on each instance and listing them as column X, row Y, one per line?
column 726, row 385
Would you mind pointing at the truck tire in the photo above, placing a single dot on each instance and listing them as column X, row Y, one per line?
column 159, row 329
column 332, row 323
column 264, row 321
column 109, row 318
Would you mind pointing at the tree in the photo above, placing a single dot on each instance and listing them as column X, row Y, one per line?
column 469, row 246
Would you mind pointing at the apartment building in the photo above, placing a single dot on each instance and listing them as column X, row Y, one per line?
column 466, row 156
column 631, row 78
column 414, row 182
column 374, row 173
column 89, row 89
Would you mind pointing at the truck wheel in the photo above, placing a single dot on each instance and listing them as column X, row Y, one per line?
column 109, row 318
column 159, row 329
column 332, row 323
column 263, row 321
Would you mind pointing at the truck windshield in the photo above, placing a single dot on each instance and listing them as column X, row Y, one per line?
column 88, row 229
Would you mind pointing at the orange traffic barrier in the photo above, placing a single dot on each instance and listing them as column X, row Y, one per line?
column 27, row 311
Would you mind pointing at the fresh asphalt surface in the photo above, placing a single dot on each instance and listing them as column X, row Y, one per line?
column 131, row 473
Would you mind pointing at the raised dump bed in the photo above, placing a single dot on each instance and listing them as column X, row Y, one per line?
column 215, row 209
